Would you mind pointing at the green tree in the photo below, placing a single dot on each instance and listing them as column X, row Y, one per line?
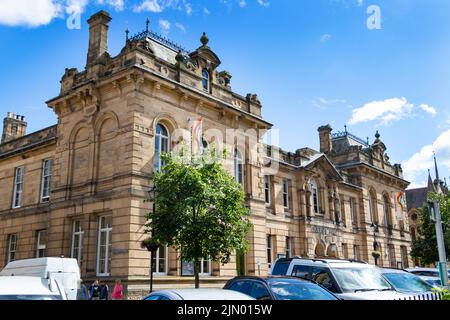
column 200, row 210
column 425, row 247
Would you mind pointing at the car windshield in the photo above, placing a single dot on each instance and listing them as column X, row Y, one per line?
column 299, row 291
column 25, row 297
column 360, row 279
column 407, row 282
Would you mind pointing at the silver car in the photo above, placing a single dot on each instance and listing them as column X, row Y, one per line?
column 405, row 282
column 197, row 294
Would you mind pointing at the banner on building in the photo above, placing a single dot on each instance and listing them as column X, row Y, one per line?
column 400, row 205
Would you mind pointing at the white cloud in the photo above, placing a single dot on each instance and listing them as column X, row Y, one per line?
column 264, row 3
column 75, row 6
column 188, row 8
column 325, row 38
column 29, row 13
column 164, row 24
column 323, row 103
column 206, row 11
column 181, row 27
column 360, row 2
column 423, row 160
column 429, row 109
column 242, row 3
column 149, row 5
column 118, row 5
column 386, row 111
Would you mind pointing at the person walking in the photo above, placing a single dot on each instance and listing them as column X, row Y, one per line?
column 82, row 293
column 104, row 291
column 117, row 291
column 94, row 291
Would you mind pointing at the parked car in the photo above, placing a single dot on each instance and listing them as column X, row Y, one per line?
column 197, row 294
column 279, row 288
column 429, row 275
column 347, row 279
column 30, row 288
column 406, row 282
column 65, row 270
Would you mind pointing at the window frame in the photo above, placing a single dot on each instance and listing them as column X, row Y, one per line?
column 315, row 196
column 286, row 198
column 288, row 247
column 238, row 161
column 158, row 164
column 268, row 190
column 40, row 246
column 156, row 271
column 10, row 251
column 206, row 80
column 18, row 192
column 46, row 198
column 270, row 250
column 353, row 213
column 80, row 235
column 107, row 258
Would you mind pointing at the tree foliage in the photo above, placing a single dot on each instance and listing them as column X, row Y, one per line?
column 425, row 247
column 200, row 210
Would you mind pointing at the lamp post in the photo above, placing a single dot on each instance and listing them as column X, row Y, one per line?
column 373, row 226
column 435, row 212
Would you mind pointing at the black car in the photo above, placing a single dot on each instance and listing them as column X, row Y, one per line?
column 279, row 288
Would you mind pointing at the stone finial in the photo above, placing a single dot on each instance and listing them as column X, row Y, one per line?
column 204, row 39
column 147, row 23
column 179, row 57
column 377, row 135
column 127, row 33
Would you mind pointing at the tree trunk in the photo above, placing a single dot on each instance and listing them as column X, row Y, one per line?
column 196, row 273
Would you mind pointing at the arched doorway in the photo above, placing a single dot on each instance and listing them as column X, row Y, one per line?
column 332, row 251
column 319, row 252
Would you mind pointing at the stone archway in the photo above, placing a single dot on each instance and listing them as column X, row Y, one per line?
column 332, row 251
column 319, row 252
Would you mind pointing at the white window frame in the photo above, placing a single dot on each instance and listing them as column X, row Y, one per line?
column 315, row 197
column 202, row 269
column 80, row 234
column 206, row 78
column 156, row 270
column 40, row 246
column 18, row 187
column 267, row 190
column 107, row 232
column 270, row 248
column 238, row 161
column 286, row 193
column 12, row 249
column 46, row 177
column 157, row 162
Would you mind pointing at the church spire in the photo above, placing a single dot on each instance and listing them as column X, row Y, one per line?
column 430, row 182
column 436, row 167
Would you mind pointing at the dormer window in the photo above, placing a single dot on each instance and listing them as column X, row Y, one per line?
column 205, row 80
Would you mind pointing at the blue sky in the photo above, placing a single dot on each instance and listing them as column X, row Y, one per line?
column 311, row 62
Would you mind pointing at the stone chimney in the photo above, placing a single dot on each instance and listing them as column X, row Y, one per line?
column 14, row 126
column 325, row 139
column 98, row 36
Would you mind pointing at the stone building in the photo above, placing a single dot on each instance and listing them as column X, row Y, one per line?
column 78, row 188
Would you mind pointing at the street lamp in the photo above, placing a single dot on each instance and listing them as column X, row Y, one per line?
column 435, row 216
column 375, row 252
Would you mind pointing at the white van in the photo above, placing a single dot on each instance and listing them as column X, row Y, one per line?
column 30, row 288
column 65, row 270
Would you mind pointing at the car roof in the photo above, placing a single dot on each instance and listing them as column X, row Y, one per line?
column 13, row 285
column 340, row 263
column 270, row 278
column 393, row 270
column 203, row 294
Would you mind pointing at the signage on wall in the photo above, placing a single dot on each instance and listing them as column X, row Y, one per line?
column 323, row 231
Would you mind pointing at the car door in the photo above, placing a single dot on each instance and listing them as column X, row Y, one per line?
column 324, row 277
column 260, row 291
column 241, row 286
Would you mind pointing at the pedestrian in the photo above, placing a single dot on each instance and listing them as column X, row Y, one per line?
column 117, row 291
column 82, row 293
column 104, row 291
column 94, row 291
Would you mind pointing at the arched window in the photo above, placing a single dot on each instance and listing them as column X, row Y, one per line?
column 238, row 167
column 205, row 80
column 387, row 210
column 161, row 146
column 315, row 202
column 373, row 207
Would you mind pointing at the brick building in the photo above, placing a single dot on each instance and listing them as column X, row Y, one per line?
column 78, row 188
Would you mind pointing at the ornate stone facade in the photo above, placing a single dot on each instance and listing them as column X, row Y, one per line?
column 116, row 113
